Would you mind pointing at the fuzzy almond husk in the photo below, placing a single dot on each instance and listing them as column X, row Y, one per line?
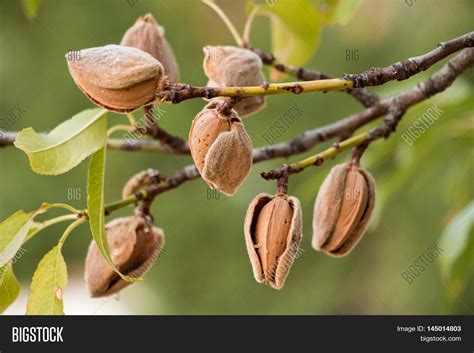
column 120, row 79
column 228, row 66
column 149, row 37
column 134, row 248
column 339, row 221
column 363, row 224
column 272, row 252
column 221, row 149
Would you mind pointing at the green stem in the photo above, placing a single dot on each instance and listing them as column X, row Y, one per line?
column 65, row 207
column 335, row 84
column 50, row 222
column 227, row 21
column 248, row 26
column 131, row 119
column 118, row 128
column 179, row 92
column 319, row 158
column 113, row 206
column 69, row 230
column 330, row 152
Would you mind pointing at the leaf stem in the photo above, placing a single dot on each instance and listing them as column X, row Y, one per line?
column 50, row 222
column 69, row 230
column 59, row 219
column 227, row 21
column 118, row 128
column 65, row 207
column 131, row 119
column 248, row 26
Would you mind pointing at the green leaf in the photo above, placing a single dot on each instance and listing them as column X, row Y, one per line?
column 455, row 238
column 67, row 145
column 95, row 206
column 337, row 11
column 47, row 287
column 457, row 241
column 296, row 29
column 30, row 8
column 13, row 232
column 9, row 287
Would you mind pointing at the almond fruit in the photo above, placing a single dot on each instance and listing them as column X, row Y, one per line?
column 342, row 209
column 120, row 79
column 227, row 66
column 134, row 247
column 273, row 231
column 220, row 147
column 149, row 36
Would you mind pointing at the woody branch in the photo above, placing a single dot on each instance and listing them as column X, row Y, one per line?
column 376, row 76
column 394, row 108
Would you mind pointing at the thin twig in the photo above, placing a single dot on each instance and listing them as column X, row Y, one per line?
column 227, row 21
column 179, row 92
column 395, row 109
column 174, row 144
column 438, row 82
column 248, row 26
column 409, row 67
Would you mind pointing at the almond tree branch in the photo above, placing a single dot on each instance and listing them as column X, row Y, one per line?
column 402, row 70
column 178, row 92
column 362, row 95
column 8, row 138
column 172, row 143
column 139, row 145
column 394, row 107
column 409, row 67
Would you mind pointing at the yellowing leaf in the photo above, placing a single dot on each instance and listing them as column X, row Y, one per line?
column 95, row 208
column 9, row 287
column 67, row 145
column 47, row 287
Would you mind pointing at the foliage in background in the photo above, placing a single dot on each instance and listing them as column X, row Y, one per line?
column 398, row 166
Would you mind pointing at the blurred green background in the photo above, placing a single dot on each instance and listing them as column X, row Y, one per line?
column 205, row 268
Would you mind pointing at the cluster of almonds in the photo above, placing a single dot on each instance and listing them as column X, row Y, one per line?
column 126, row 77
column 273, row 230
column 273, row 225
